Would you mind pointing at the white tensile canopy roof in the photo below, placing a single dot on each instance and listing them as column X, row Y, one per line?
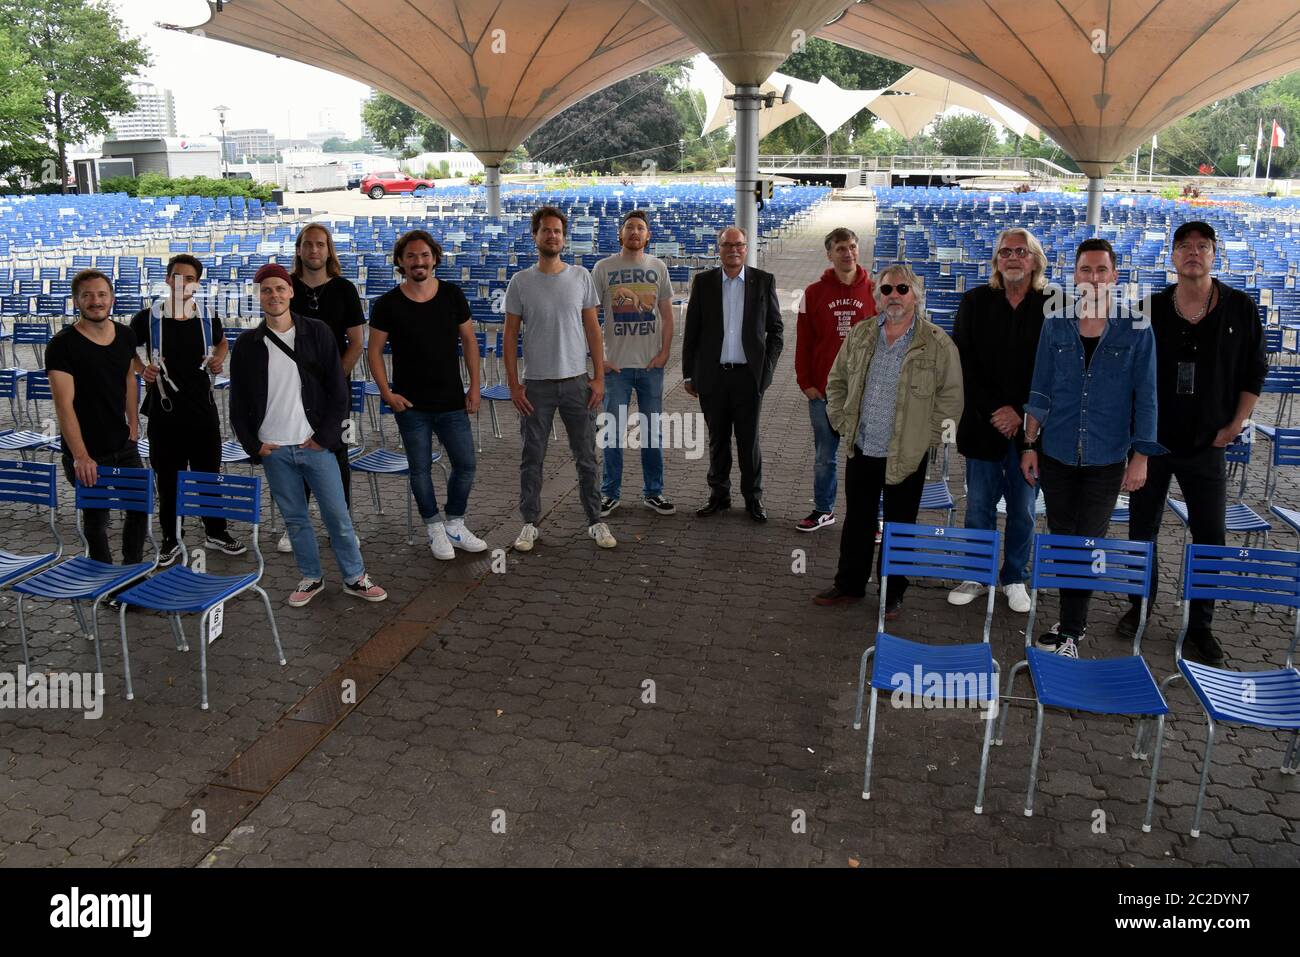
column 1098, row 76
column 827, row 105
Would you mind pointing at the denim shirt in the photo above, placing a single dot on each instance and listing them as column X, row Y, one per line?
column 1094, row 416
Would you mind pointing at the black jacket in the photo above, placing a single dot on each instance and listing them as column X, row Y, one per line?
column 325, row 397
column 760, row 331
column 997, row 348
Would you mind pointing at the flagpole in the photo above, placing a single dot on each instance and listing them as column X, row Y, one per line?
column 1151, row 169
column 1137, row 161
column 1259, row 138
column 1268, row 170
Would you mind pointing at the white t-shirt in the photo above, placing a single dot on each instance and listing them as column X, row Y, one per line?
column 285, row 422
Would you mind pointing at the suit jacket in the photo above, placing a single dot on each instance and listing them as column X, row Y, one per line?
column 760, row 331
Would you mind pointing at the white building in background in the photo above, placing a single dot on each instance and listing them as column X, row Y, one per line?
column 318, row 137
column 154, row 115
column 250, row 143
column 466, row 164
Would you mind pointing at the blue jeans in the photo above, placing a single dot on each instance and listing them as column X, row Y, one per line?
column 649, row 386
column 986, row 482
column 457, row 439
column 826, row 447
column 287, row 468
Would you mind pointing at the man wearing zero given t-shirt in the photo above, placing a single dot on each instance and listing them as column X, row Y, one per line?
column 424, row 317
column 184, row 429
column 320, row 291
column 559, row 304
column 637, row 297
column 95, row 398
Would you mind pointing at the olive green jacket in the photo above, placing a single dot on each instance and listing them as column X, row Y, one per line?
column 930, row 395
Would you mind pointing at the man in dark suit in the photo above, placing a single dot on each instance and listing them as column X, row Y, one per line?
column 729, row 352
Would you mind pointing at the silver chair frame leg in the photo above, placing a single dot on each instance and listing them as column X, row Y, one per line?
column 22, row 638
column 871, row 747
column 270, row 616
column 862, row 683
column 126, row 657
column 1033, row 765
column 1205, row 776
column 1011, row 680
column 1291, row 758
column 994, row 706
column 1155, row 771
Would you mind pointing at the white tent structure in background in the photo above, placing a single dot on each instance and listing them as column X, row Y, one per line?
column 827, row 105
column 907, row 106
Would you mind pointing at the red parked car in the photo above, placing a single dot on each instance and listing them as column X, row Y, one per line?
column 375, row 185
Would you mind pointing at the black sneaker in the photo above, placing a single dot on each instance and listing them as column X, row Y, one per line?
column 169, row 552
column 815, row 521
column 1205, row 646
column 659, row 504
column 1056, row 641
column 223, row 542
column 607, row 505
column 1127, row 626
column 833, row 596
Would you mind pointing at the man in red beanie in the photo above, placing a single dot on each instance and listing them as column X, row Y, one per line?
column 842, row 298
column 288, row 400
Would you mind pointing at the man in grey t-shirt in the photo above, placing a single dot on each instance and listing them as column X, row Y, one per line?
column 558, row 303
column 637, row 297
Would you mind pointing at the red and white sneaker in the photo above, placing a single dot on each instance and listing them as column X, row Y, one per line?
column 365, row 589
column 815, row 521
column 307, row 589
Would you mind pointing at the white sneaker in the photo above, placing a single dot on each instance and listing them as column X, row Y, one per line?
column 1017, row 597
column 600, row 532
column 965, row 593
column 284, row 545
column 462, row 538
column 438, row 542
column 528, row 535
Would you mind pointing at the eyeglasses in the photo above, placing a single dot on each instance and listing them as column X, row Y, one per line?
column 1007, row 252
column 902, row 288
column 734, row 245
column 1187, row 245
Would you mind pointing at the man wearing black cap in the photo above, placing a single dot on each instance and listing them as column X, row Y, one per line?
column 1210, row 367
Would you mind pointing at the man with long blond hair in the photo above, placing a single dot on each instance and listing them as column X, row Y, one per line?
column 996, row 331
column 320, row 291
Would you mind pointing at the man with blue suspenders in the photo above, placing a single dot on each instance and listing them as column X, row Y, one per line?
column 180, row 346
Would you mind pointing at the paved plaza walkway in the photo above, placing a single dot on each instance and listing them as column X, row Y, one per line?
column 678, row 700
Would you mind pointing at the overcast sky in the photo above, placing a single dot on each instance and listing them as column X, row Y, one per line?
column 284, row 96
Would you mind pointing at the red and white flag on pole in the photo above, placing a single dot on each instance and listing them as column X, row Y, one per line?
column 1259, row 137
column 1279, row 136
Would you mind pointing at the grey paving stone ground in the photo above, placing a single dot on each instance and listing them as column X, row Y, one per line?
column 520, row 730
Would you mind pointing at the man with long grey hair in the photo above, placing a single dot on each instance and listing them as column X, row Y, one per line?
column 996, row 331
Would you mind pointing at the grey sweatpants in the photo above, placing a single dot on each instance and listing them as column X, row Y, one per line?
column 569, row 397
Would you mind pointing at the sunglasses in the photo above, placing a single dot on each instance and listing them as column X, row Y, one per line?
column 902, row 288
column 1019, row 252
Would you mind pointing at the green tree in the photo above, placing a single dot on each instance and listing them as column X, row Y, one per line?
column 622, row 127
column 390, row 122
column 22, row 128
column 87, row 61
column 336, row 144
column 964, row 134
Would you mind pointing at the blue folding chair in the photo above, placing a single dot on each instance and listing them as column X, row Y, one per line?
column 29, row 483
column 1286, row 454
column 82, row 578
column 967, row 674
column 1260, row 699
column 181, row 591
column 1118, row 686
column 384, row 461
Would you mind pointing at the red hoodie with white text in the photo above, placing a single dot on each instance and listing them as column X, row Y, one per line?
column 830, row 310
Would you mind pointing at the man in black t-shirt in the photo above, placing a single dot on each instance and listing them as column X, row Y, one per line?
column 424, row 317
column 320, row 291
column 179, row 344
column 1210, row 368
column 95, row 398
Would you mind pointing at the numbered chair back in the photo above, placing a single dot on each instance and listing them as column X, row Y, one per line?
column 1091, row 564
column 32, row 483
column 1286, row 454
column 236, row 498
column 1261, row 576
column 118, row 489
column 939, row 552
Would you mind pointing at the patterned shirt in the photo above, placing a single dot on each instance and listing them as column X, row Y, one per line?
column 880, row 394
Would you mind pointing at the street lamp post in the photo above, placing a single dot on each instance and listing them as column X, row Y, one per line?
column 221, row 117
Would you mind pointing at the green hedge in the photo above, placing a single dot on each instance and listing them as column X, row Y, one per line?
column 155, row 184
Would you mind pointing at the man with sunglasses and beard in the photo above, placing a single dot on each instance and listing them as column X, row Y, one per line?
column 895, row 382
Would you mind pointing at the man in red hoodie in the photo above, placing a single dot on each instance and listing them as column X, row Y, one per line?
column 842, row 298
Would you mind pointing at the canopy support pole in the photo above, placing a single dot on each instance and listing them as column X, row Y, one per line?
column 747, row 103
column 1096, row 185
column 492, row 184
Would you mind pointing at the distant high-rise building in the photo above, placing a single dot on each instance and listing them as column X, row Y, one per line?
column 154, row 115
column 250, row 143
column 319, row 137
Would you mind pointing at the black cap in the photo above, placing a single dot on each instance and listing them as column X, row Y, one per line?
column 1195, row 226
